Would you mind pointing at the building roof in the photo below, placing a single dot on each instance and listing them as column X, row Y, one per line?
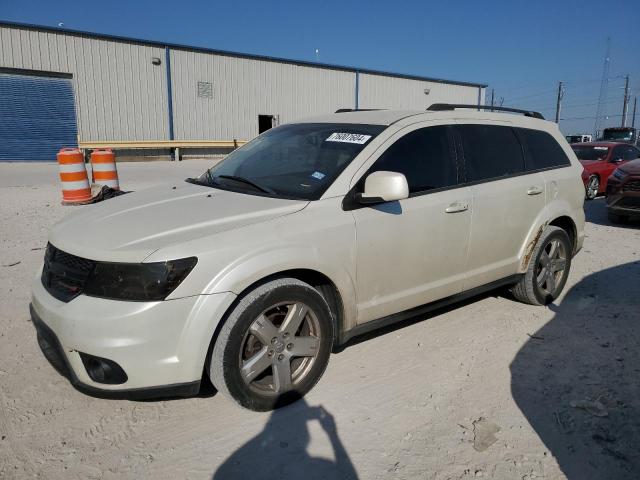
column 176, row 46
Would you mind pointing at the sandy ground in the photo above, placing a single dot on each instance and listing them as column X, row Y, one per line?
column 491, row 388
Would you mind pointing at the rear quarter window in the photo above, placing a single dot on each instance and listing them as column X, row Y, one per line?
column 542, row 150
column 490, row 151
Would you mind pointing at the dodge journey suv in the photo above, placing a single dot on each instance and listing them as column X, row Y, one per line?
column 312, row 233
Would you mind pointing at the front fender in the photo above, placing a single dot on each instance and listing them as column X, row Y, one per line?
column 249, row 269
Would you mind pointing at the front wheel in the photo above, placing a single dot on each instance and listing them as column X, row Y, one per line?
column 592, row 188
column 274, row 346
column 548, row 269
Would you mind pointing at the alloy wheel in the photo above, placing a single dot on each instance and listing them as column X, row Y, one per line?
column 551, row 266
column 593, row 185
column 280, row 348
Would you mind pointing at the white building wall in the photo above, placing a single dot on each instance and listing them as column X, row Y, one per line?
column 120, row 94
column 381, row 91
column 245, row 88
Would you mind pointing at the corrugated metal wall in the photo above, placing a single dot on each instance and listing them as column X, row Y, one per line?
column 37, row 116
column 379, row 91
column 119, row 94
column 245, row 88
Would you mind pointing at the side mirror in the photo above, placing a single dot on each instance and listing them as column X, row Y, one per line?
column 383, row 186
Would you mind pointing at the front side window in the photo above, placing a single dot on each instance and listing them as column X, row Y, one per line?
column 618, row 154
column 298, row 161
column 423, row 157
column 490, row 151
column 618, row 134
column 542, row 150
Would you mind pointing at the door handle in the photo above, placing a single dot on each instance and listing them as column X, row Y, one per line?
column 457, row 207
column 534, row 191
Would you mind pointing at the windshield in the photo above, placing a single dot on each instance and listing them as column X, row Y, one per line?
column 590, row 153
column 626, row 135
column 297, row 161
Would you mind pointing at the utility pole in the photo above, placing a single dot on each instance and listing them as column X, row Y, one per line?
column 601, row 113
column 559, row 101
column 626, row 101
column 633, row 118
column 493, row 91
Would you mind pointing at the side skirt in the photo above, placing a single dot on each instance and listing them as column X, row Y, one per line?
column 422, row 309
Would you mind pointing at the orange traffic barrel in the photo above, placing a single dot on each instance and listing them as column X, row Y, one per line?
column 73, row 175
column 103, row 162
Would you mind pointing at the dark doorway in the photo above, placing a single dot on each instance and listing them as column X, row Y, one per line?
column 265, row 122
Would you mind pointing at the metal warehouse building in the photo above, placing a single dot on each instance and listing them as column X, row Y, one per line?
column 66, row 88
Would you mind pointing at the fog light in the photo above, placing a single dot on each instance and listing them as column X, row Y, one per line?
column 102, row 370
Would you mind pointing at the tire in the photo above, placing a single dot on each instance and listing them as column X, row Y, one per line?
column 256, row 360
column 541, row 288
column 616, row 218
column 592, row 187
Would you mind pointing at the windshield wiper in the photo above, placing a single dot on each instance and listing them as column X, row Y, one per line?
column 208, row 182
column 247, row 181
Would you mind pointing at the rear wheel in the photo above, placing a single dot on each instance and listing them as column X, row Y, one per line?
column 548, row 269
column 274, row 346
column 592, row 187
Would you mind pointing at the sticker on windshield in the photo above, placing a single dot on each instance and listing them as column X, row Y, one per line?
column 601, row 148
column 318, row 175
column 348, row 138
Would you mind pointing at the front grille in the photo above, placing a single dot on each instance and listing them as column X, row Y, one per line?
column 632, row 186
column 64, row 275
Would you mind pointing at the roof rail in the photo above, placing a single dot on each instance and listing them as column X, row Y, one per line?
column 441, row 107
column 345, row 110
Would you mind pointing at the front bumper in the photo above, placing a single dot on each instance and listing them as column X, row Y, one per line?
column 161, row 346
column 623, row 196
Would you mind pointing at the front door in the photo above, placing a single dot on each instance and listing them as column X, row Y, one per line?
column 413, row 251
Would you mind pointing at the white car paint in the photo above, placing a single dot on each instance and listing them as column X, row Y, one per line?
column 381, row 261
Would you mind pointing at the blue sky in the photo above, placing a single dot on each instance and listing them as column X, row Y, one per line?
column 520, row 48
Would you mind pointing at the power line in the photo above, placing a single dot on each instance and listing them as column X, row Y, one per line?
column 589, row 118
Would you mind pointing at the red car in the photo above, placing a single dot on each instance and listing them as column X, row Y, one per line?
column 623, row 192
column 599, row 160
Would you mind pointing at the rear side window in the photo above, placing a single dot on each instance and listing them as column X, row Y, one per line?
column 424, row 157
column 542, row 150
column 490, row 151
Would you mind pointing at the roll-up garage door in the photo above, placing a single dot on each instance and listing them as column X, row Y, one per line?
column 37, row 116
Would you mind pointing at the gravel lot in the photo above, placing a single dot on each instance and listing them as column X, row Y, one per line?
column 491, row 388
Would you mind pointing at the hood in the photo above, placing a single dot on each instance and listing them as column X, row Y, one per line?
column 632, row 167
column 130, row 227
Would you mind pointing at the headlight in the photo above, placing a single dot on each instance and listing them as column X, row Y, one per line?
column 619, row 174
column 137, row 281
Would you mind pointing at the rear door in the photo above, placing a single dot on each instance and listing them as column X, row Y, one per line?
column 507, row 199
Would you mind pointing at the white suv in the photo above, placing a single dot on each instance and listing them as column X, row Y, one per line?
column 312, row 233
